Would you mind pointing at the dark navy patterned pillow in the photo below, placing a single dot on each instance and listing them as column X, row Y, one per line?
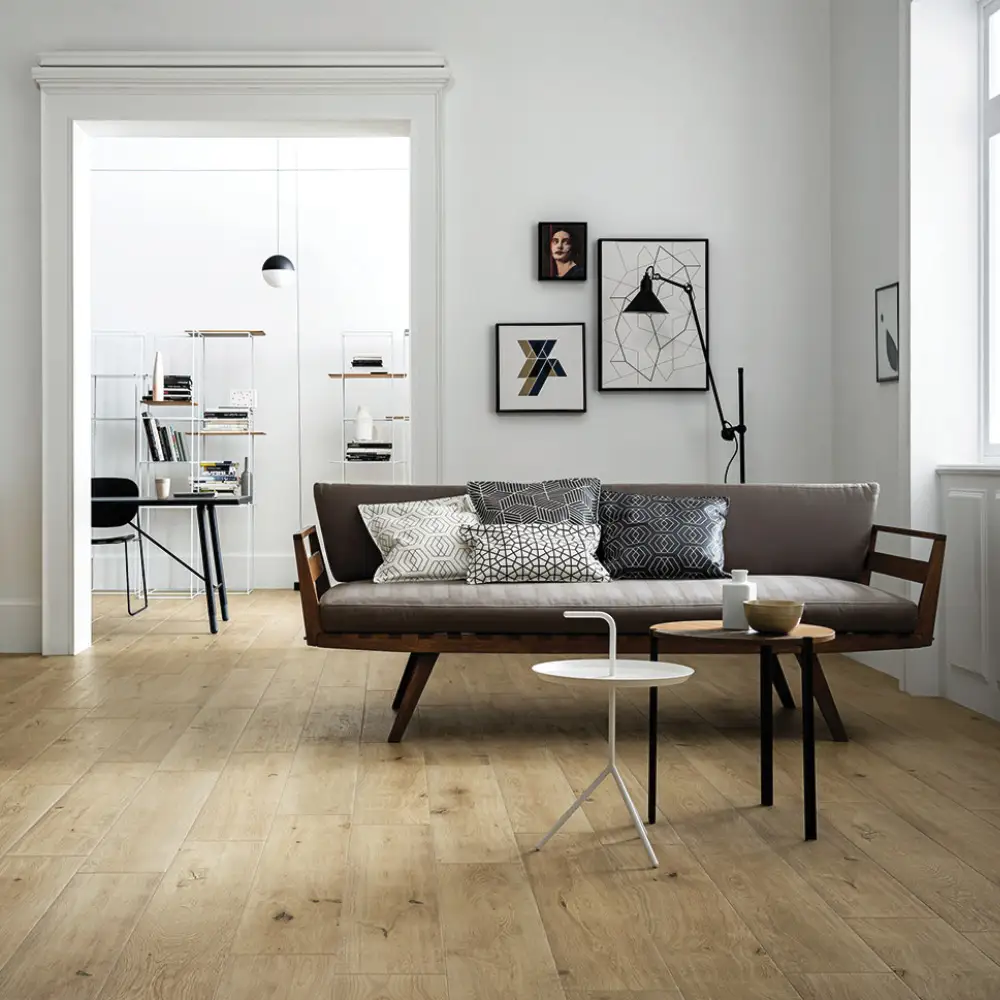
column 554, row 501
column 662, row 537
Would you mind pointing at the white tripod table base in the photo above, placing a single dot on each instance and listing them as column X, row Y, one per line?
column 611, row 769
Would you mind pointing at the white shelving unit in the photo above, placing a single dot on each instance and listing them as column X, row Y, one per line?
column 184, row 353
column 384, row 391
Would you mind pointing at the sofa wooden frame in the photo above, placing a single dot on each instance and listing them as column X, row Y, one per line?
column 425, row 647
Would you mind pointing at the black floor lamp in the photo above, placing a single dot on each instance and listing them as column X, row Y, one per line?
column 646, row 301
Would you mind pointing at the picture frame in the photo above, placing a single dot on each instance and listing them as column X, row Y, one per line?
column 562, row 251
column 887, row 345
column 541, row 367
column 639, row 353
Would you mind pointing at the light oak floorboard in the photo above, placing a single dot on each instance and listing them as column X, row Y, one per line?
column 207, row 743
column 298, row 894
column 181, row 943
column 468, row 816
column 71, row 950
column 148, row 834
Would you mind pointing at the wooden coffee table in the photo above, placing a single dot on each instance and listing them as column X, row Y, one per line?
column 711, row 637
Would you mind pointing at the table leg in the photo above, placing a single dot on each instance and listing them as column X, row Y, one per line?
column 220, row 573
column 808, row 740
column 766, row 728
column 654, row 655
column 206, row 567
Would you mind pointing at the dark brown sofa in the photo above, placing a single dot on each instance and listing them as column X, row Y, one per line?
column 816, row 543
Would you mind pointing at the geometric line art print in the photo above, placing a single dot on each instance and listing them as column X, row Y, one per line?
column 660, row 351
column 538, row 365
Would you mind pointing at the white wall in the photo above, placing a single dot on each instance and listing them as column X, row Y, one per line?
column 179, row 229
column 652, row 118
column 868, row 73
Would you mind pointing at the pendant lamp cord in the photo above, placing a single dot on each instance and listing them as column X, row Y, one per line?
column 277, row 195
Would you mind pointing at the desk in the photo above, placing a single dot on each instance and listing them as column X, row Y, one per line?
column 208, row 538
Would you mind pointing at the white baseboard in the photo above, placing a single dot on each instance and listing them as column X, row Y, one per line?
column 20, row 625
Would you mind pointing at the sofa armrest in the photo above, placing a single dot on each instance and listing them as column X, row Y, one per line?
column 927, row 572
column 313, row 579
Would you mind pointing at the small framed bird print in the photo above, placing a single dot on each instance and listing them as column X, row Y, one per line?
column 887, row 333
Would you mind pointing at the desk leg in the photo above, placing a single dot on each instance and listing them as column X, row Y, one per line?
column 808, row 739
column 766, row 728
column 654, row 655
column 220, row 572
column 206, row 568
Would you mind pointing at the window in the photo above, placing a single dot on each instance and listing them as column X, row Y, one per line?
column 990, row 119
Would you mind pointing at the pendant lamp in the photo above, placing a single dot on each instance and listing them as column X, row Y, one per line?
column 278, row 270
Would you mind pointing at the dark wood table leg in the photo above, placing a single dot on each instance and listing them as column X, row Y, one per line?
column 411, row 665
column 206, row 567
column 808, row 740
column 766, row 727
column 654, row 711
column 781, row 685
column 220, row 573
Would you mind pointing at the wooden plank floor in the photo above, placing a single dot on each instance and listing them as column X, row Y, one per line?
column 218, row 817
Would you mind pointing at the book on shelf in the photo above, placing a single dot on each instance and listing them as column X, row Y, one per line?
column 367, row 361
column 373, row 445
column 228, row 413
column 166, row 445
column 152, row 437
column 370, row 456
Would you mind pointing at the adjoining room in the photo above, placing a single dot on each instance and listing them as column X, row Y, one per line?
column 492, row 510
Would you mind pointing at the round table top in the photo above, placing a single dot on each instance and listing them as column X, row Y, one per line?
column 628, row 673
column 712, row 631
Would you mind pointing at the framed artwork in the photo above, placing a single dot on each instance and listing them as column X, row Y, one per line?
column 562, row 251
column 637, row 352
column 541, row 368
column 887, row 333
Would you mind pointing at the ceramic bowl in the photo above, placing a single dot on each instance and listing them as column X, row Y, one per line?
column 773, row 617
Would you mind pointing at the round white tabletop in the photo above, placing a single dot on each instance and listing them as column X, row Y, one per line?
column 628, row 673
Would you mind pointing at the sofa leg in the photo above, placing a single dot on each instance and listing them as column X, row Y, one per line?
column 781, row 684
column 423, row 664
column 823, row 697
column 404, row 681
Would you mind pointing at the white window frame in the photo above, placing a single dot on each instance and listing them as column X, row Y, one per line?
column 989, row 126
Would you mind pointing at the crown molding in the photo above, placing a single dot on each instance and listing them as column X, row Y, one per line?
column 242, row 72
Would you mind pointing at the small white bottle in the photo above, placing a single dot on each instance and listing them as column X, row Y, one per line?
column 157, row 393
column 734, row 593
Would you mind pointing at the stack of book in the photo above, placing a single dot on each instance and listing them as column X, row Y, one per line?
column 367, row 362
column 217, row 477
column 176, row 389
column 228, row 418
column 369, row 451
column 165, row 444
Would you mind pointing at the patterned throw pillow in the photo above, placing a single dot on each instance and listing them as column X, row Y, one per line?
column 421, row 540
column 551, row 502
column 662, row 537
column 534, row 553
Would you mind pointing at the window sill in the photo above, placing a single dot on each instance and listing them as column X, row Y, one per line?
column 974, row 469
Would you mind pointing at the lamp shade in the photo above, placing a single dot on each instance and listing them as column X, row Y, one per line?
column 645, row 300
column 278, row 271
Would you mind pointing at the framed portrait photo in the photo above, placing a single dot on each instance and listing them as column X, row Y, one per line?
column 887, row 333
column 541, row 368
column 562, row 251
column 638, row 351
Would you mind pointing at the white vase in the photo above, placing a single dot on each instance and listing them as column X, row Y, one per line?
column 734, row 593
column 157, row 393
column 364, row 426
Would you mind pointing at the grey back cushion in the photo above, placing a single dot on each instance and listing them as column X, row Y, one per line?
column 553, row 501
column 647, row 537
column 786, row 530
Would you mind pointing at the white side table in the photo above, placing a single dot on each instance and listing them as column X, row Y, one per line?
column 612, row 674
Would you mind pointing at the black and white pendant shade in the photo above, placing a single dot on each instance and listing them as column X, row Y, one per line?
column 278, row 271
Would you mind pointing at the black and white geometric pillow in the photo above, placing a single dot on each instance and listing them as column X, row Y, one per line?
column 662, row 537
column 534, row 553
column 551, row 502
column 421, row 540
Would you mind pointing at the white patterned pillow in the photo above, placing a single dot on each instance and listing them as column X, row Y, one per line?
column 534, row 553
column 421, row 540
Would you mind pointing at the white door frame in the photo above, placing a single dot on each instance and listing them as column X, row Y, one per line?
column 93, row 93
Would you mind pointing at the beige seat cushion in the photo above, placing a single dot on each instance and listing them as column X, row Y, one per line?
column 526, row 608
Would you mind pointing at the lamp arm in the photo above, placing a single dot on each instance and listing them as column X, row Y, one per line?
column 728, row 431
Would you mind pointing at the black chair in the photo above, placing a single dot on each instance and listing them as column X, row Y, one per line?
column 117, row 515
